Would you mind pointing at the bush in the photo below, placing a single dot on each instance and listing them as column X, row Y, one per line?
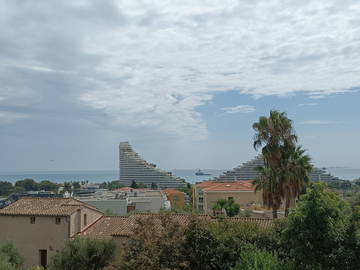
column 84, row 254
column 316, row 230
column 231, row 236
column 155, row 244
column 9, row 252
column 5, row 264
column 252, row 258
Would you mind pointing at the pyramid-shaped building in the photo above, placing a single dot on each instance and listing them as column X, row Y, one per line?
column 246, row 171
column 134, row 168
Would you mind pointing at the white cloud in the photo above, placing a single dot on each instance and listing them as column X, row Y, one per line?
column 307, row 104
column 150, row 65
column 316, row 122
column 239, row 109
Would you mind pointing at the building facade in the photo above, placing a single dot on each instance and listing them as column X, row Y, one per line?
column 206, row 194
column 39, row 227
column 246, row 171
column 134, row 168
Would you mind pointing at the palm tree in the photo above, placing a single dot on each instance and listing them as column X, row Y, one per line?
column 295, row 172
column 273, row 134
column 269, row 183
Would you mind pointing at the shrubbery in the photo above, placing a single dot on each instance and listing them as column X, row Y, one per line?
column 10, row 258
column 84, row 254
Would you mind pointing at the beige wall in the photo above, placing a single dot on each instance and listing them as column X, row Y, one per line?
column 44, row 234
column 30, row 238
column 244, row 198
column 77, row 219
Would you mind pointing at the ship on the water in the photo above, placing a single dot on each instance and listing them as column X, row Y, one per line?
column 200, row 172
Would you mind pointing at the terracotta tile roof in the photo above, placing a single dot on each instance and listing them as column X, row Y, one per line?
column 108, row 227
column 230, row 186
column 172, row 191
column 206, row 184
column 44, row 207
column 263, row 222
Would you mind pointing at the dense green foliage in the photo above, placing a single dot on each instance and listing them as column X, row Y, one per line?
column 6, row 188
column 27, row 184
column 10, row 257
column 316, row 230
column 253, row 258
column 231, row 208
column 48, row 186
column 84, row 254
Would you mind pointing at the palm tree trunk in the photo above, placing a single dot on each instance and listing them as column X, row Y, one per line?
column 287, row 206
column 274, row 213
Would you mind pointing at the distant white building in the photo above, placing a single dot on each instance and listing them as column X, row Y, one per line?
column 124, row 200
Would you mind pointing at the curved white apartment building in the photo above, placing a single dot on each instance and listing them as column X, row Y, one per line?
column 134, row 168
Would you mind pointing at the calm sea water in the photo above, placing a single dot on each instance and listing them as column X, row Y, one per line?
column 110, row 175
column 95, row 176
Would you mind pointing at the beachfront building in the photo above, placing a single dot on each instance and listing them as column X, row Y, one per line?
column 133, row 168
column 206, row 194
column 247, row 171
column 39, row 227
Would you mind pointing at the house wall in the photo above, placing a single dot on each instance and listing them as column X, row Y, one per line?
column 30, row 238
column 77, row 219
column 243, row 198
column 118, row 206
column 148, row 204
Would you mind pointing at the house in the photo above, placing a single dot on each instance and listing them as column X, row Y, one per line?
column 206, row 194
column 176, row 197
column 39, row 227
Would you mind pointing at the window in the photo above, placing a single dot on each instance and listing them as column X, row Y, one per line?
column 201, row 200
column 32, row 220
column 57, row 220
column 85, row 219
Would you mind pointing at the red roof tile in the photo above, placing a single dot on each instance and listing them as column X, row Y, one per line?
column 229, row 186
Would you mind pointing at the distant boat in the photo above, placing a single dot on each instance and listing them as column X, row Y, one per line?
column 199, row 172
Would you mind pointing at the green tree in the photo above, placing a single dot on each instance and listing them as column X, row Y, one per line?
column 76, row 185
column 154, row 186
column 27, row 184
column 286, row 168
column 231, row 208
column 48, row 186
column 6, row 188
column 9, row 253
column 200, row 246
column 272, row 134
column 134, row 184
column 352, row 241
column 252, row 258
column 67, row 187
column 296, row 169
column 5, row 264
column 84, row 254
column 155, row 244
column 316, row 230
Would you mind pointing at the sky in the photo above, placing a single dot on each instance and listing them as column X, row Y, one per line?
column 181, row 80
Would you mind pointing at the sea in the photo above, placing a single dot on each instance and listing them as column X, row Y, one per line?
column 101, row 176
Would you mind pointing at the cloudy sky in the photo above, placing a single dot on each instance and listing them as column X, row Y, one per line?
column 181, row 80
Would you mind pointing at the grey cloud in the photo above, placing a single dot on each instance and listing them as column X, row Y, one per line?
column 150, row 65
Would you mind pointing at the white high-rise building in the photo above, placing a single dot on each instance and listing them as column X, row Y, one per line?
column 134, row 168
